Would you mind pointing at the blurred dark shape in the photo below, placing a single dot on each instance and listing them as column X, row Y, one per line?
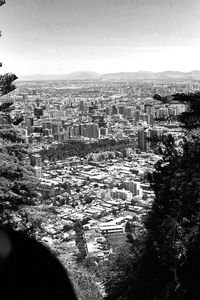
column 5, row 105
column 2, row 2
column 18, row 120
column 31, row 271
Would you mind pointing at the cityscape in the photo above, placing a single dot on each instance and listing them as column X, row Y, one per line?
column 99, row 150
column 90, row 144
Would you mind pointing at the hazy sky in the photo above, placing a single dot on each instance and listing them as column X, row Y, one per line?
column 61, row 36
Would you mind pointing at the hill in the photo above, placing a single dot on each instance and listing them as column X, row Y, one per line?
column 121, row 76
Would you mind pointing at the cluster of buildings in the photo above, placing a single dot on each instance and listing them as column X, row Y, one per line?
column 105, row 188
column 58, row 114
column 99, row 192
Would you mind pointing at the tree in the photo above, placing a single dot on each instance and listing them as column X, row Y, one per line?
column 168, row 265
column 189, row 119
column 84, row 282
column 114, row 211
column 173, row 223
column 2, row 2
column 121, row 270
column 17, row 180
column 172, row 243
column 128, row 231
column 80, row 240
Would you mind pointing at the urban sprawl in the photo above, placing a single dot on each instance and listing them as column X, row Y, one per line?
column 90, row 148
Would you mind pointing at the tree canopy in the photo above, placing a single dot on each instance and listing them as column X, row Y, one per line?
column 18, row 183
column 17, row 179
column 80, row 241
column 170, row 257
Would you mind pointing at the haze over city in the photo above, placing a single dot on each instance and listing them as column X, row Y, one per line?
column 59, row 37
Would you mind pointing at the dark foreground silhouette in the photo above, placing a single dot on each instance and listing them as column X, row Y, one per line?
column 28, row 270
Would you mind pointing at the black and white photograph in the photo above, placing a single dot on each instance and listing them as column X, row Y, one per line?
column 100, row 150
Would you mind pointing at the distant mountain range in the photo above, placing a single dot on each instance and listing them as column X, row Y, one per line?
column 122, row 76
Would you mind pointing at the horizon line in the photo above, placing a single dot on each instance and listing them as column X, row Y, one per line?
column 103, row 73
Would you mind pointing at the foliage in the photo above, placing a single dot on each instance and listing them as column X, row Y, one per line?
column 2, row 2
column 7, row 86
column 168, row 264
column 18, row 183
column 128, row 230
column 85, row 283
column 80, row 240
column 189, row 119
column 121, row 270
column 17, row 180
column 173, row 223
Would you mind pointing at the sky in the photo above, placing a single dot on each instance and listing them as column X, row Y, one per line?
column 63, row 36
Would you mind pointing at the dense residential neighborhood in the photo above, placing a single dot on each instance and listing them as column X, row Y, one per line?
column 99, row 150
column 91, row 146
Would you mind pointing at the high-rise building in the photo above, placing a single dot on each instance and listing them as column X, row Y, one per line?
column 115, row 110
column 38, row 112
column 64, row 136
column 152, row 117
column 137, row 115
column 76, row 129
column 121, row 110
column 90, row 130
column 108, row 110
column 28, row 139
column 172, row 111
column 38, row 171
column 29, row 121
column 46, row 132
column 83, row 106
column 145, row 118
column 36, row 160
column 30, row 130
column 56, row 127
column 149, row 109
column 162, row 112
column 38, row 102
column 47, row 125
column 121, row 194
column 83, row 130
column 143, row 142
column 93, row 130
column 103, row 131
column 38, row 129
column 180, row 108
column 128, row 111
column 57, row 137
column 133, row 187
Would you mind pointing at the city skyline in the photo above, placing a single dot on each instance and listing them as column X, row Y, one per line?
column 48, row 37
